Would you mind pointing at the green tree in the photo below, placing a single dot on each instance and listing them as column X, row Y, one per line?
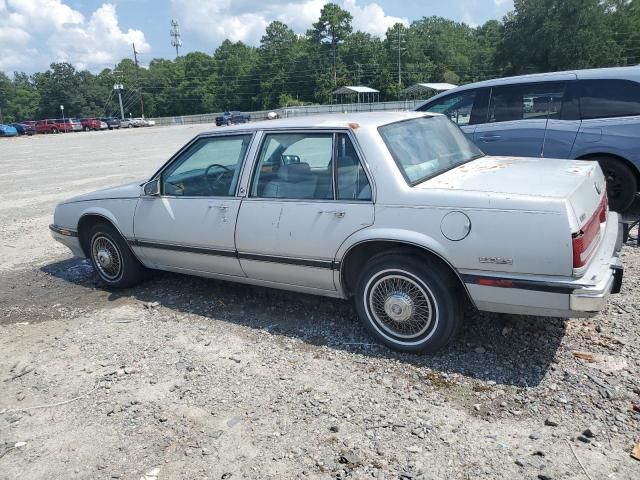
column 333, row 27
column 276, row 60
column 550, row 35
column 234, row 65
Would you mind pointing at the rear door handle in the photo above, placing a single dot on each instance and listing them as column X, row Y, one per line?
column 490, row 138
column 337, row 213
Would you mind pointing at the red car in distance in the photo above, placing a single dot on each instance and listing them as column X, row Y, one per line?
column 93, row 124
column 53, row 126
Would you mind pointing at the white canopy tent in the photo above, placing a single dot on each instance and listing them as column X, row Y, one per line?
column 364, row 94
column 420, row 89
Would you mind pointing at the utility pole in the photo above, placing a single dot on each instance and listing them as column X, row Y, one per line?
column 135, row 59
column 119, row 87
column 176, row 41
column 399, row 56
column 358, row 72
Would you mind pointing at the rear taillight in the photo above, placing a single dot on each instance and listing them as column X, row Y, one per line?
column 585, row 240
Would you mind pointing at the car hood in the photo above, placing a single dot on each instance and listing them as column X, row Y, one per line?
column 579, row 183
column 130, row 190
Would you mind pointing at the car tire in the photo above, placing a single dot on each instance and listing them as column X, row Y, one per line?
column 622, row 184
column 112, row 258
column 228, row 123
column 409, row 303
column 54, row 130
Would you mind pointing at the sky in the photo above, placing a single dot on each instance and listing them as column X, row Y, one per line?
column 94, row 34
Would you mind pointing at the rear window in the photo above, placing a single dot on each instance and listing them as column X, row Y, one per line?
column 426, row 147
column 609, row 98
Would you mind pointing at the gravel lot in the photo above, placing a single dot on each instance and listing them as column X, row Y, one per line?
column 192, row 378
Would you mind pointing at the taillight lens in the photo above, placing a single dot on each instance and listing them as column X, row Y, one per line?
column 590, row 232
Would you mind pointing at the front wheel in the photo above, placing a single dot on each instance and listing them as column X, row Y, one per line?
column 54, row 130
column 622, row 185
column 409, row 303
column 112, row 259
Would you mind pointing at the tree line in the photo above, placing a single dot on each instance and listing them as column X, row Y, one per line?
column 292, row 69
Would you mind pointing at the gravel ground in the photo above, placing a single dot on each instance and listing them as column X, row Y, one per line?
column 192, row 378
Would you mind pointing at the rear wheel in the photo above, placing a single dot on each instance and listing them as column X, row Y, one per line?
column 54, row 130
column 622, row 185
column 409, row 303
column 112, row 259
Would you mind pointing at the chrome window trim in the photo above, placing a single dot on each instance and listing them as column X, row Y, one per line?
column 175, row 157
column 332, row 130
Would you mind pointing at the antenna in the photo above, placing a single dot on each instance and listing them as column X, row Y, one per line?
column 175, row 36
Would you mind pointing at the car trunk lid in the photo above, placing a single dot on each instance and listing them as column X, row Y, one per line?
column 580, row 184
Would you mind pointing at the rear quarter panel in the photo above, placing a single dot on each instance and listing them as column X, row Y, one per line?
column 616, row 136
column 537, row 243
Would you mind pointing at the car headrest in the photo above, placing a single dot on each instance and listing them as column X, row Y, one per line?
column 294, row 172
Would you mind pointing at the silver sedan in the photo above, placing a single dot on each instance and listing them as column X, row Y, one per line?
column 395, row 210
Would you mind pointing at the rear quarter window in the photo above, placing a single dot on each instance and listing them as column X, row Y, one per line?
column 609, row 98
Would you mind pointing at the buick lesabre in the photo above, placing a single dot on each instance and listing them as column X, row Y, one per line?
column 398, row 211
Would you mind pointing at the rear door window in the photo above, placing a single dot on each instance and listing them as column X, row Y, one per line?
column 457, row 106
column 609, row 98
column 528, row 101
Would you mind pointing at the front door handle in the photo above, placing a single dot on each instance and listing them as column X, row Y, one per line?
column 489, row 138
column 337, row 213
column 220, row 206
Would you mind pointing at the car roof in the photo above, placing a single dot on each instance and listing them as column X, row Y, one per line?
column 587, row 74
column 334, row 120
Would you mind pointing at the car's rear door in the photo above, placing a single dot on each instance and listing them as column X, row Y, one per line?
column 517, row 118
column 190, row 226
column 309, row 191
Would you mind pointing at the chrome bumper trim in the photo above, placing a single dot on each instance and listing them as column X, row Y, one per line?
column 67, row 232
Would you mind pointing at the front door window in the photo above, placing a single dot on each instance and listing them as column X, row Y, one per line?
column 209, row 168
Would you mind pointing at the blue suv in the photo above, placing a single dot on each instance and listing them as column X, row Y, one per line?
column 582, row 114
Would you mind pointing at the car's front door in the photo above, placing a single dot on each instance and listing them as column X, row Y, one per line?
column 517, row 118
column 309, row 192
column 190, row 225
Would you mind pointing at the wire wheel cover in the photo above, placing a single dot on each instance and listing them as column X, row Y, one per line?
column 106, row 257
column 401, row 306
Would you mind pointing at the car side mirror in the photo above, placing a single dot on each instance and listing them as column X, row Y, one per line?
column 152, row 188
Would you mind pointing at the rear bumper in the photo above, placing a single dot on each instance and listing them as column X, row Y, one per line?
column 557, row 297
column 606, row 268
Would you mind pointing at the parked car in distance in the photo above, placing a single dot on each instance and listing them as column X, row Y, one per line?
column 93, row 124
column 583, row 114
column 7, row 130
column 53, row 126
column 111, row 122
column 23, row 129
column 138, row 122
column 126, row 123
column 397, row 210
column 76, row 124
column 230, row 118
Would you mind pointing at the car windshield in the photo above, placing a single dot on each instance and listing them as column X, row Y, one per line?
column 427, row 146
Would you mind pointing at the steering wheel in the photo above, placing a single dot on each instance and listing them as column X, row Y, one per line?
column 212, row 182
